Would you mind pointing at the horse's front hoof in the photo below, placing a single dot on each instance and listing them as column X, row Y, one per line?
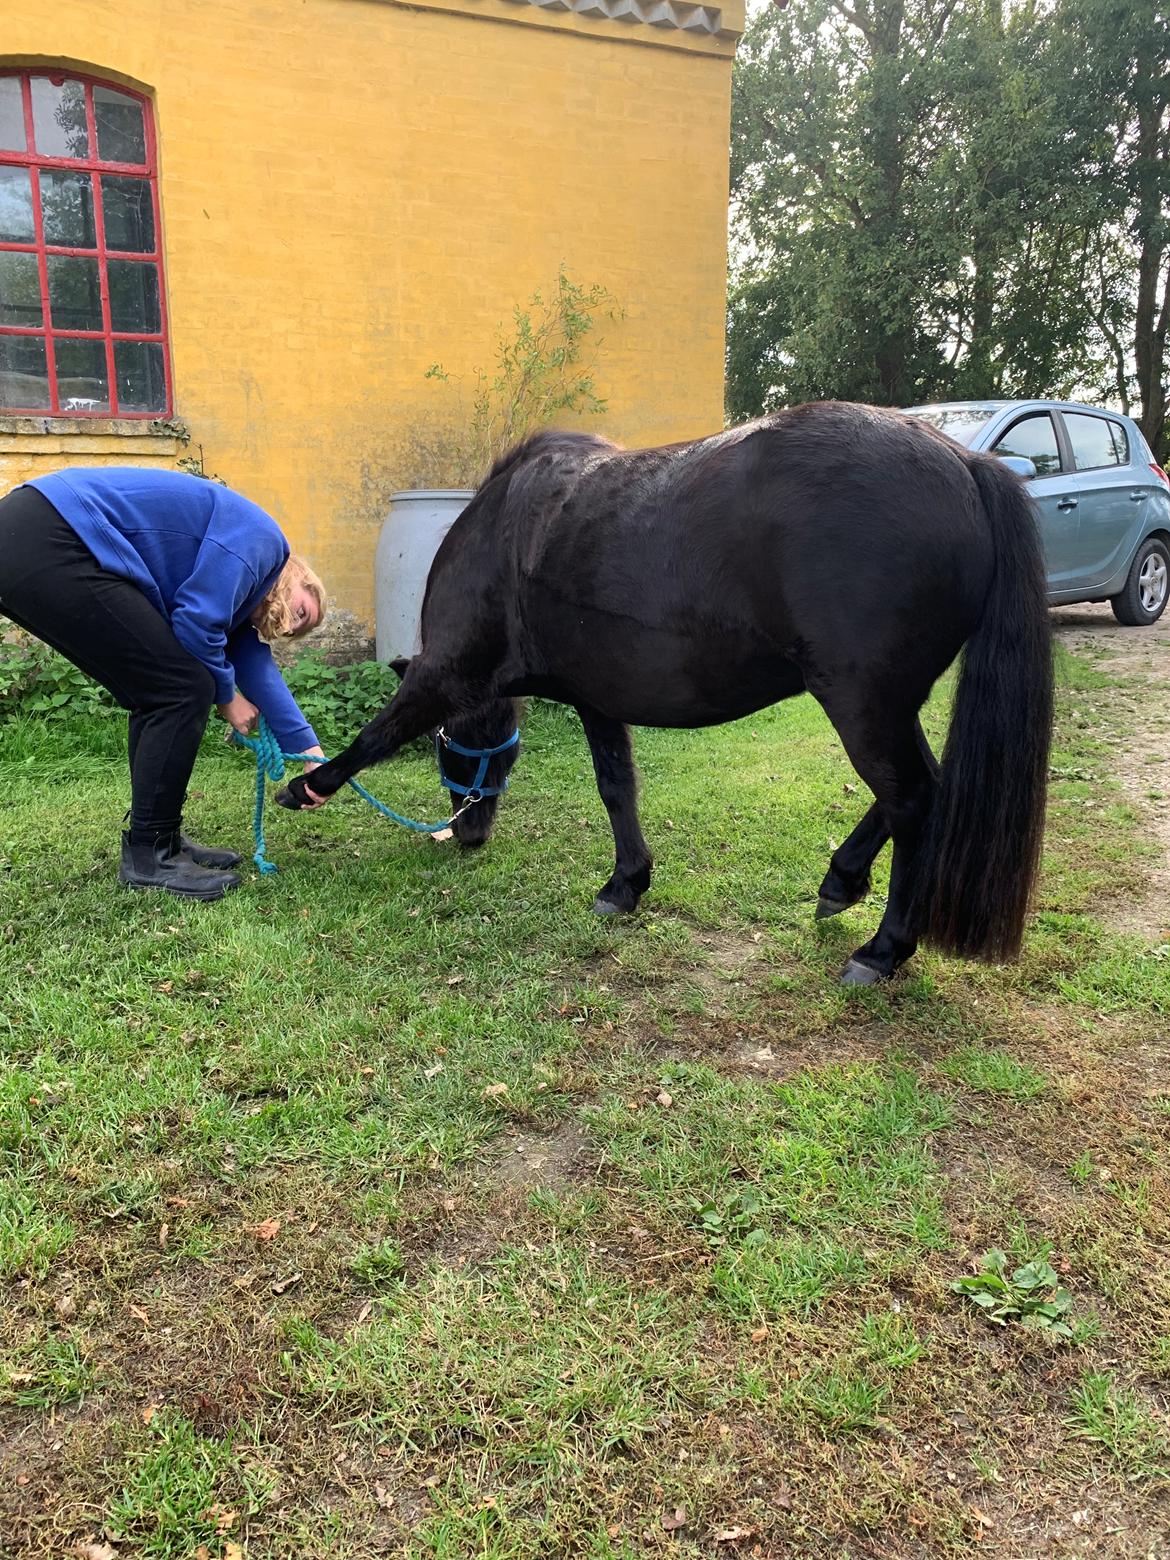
column 830, row 907
column 857, row 974
column 287, row 799
column 607, row 907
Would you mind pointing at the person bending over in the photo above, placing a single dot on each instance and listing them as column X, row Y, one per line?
column 163, row 587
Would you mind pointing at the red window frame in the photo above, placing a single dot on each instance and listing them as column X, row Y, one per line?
column 36, row 161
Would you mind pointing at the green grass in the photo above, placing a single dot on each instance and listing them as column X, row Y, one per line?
column 992, row 1072
column 1115, row 1419
column 285, row 1268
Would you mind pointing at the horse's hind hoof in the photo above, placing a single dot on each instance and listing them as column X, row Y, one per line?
column 287, row 799
column 857, row 974
column 606, row 907
column 830, row 907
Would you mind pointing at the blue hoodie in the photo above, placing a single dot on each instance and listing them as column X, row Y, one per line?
column 204, row 556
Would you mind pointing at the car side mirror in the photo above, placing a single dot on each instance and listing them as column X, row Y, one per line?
column 1020, row 464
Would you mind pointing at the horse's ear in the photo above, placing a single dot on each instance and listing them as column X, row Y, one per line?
column 399, row 666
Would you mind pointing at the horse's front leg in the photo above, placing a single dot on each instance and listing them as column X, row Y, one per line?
column 415, row 709
column 617, row 782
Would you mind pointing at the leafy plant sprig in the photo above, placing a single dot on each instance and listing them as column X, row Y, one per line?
column 1031, row 1295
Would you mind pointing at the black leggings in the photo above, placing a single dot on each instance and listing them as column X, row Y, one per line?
column 52, row 585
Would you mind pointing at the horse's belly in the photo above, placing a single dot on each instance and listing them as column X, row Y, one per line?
column 650, row 676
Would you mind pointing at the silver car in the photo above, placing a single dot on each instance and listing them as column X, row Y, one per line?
column 1103, row 500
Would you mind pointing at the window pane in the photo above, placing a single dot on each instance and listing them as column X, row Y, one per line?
column 1035, row 439
column 67, row 209
column 20, row 290
column 75, row 299
column 142, row 385
column 129, row 214
column 134, row 296
column 1120, row 443
column 121, row 134
column 59, row 118
column 12, row 137
column 82, row 382
column 23, row 379
column 16, row 212
column 962, row 423
column 1091, row 441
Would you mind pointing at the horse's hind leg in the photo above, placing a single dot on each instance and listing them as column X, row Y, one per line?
column 886, row 748
column 847, row 880
column 617, row 782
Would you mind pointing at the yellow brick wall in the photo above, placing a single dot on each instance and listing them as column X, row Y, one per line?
column 353, row 190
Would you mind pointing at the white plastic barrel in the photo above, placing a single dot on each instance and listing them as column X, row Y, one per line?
column 409, row 539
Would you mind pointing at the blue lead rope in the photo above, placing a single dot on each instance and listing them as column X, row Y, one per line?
column 271, row 759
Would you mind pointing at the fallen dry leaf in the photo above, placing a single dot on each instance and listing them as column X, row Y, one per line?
column 232, row 1551
column 22, row 1479
column 65, row 1307
column 286, row 1283
column 383, row 1496
column 495, row 1090
column 433, row 1072
column 269, row 1229
column 91, row 1549
column 672, row 1524
column 149, row 1412
column 732, row 1535
column 665, row 1100
column 164, row 1231
column 759, row 1334
column 224, row 1520
column 178, row 1202
column 136, row 1310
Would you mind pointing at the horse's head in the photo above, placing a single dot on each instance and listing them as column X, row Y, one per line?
column 476, row 753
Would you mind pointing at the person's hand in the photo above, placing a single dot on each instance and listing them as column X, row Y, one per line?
column 240, row 714
column 313, row 758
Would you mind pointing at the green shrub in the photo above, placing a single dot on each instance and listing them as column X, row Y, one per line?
column 338, row 700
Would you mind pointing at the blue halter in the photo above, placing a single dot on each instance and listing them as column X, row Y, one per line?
column 476, row 791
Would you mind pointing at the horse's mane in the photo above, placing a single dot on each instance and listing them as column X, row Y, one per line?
column 549, row 441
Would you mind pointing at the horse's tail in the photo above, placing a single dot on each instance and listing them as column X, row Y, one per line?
column 980, row 852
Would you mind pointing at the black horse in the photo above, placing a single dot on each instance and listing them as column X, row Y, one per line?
column 835, row 549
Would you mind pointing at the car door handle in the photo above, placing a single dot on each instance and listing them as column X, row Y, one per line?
column 1067, row 503
column 1137, row 498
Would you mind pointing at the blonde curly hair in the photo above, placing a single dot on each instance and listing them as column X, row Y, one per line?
column 274, row 616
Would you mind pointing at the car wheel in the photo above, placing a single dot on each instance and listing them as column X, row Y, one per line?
column 1147, row 588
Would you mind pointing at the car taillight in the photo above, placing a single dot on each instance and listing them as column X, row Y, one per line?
column 1158, row 472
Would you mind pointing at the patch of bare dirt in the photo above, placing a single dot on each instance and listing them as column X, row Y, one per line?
column 551, row 1161
column 1140, row 764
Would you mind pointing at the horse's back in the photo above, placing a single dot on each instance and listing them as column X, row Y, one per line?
column 824, row 526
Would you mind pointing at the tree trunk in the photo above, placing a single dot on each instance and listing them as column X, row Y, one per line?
column 1152, row 313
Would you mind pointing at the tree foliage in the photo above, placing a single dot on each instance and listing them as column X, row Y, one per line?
column 950, row 198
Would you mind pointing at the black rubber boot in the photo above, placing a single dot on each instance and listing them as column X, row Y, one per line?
column 161, row 865
column 209, row 855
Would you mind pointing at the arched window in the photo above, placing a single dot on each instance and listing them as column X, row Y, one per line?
column 82, row 304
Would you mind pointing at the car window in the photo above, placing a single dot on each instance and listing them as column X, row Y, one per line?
column 960, row 422
column 1096, row 441
column 1033, row 437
